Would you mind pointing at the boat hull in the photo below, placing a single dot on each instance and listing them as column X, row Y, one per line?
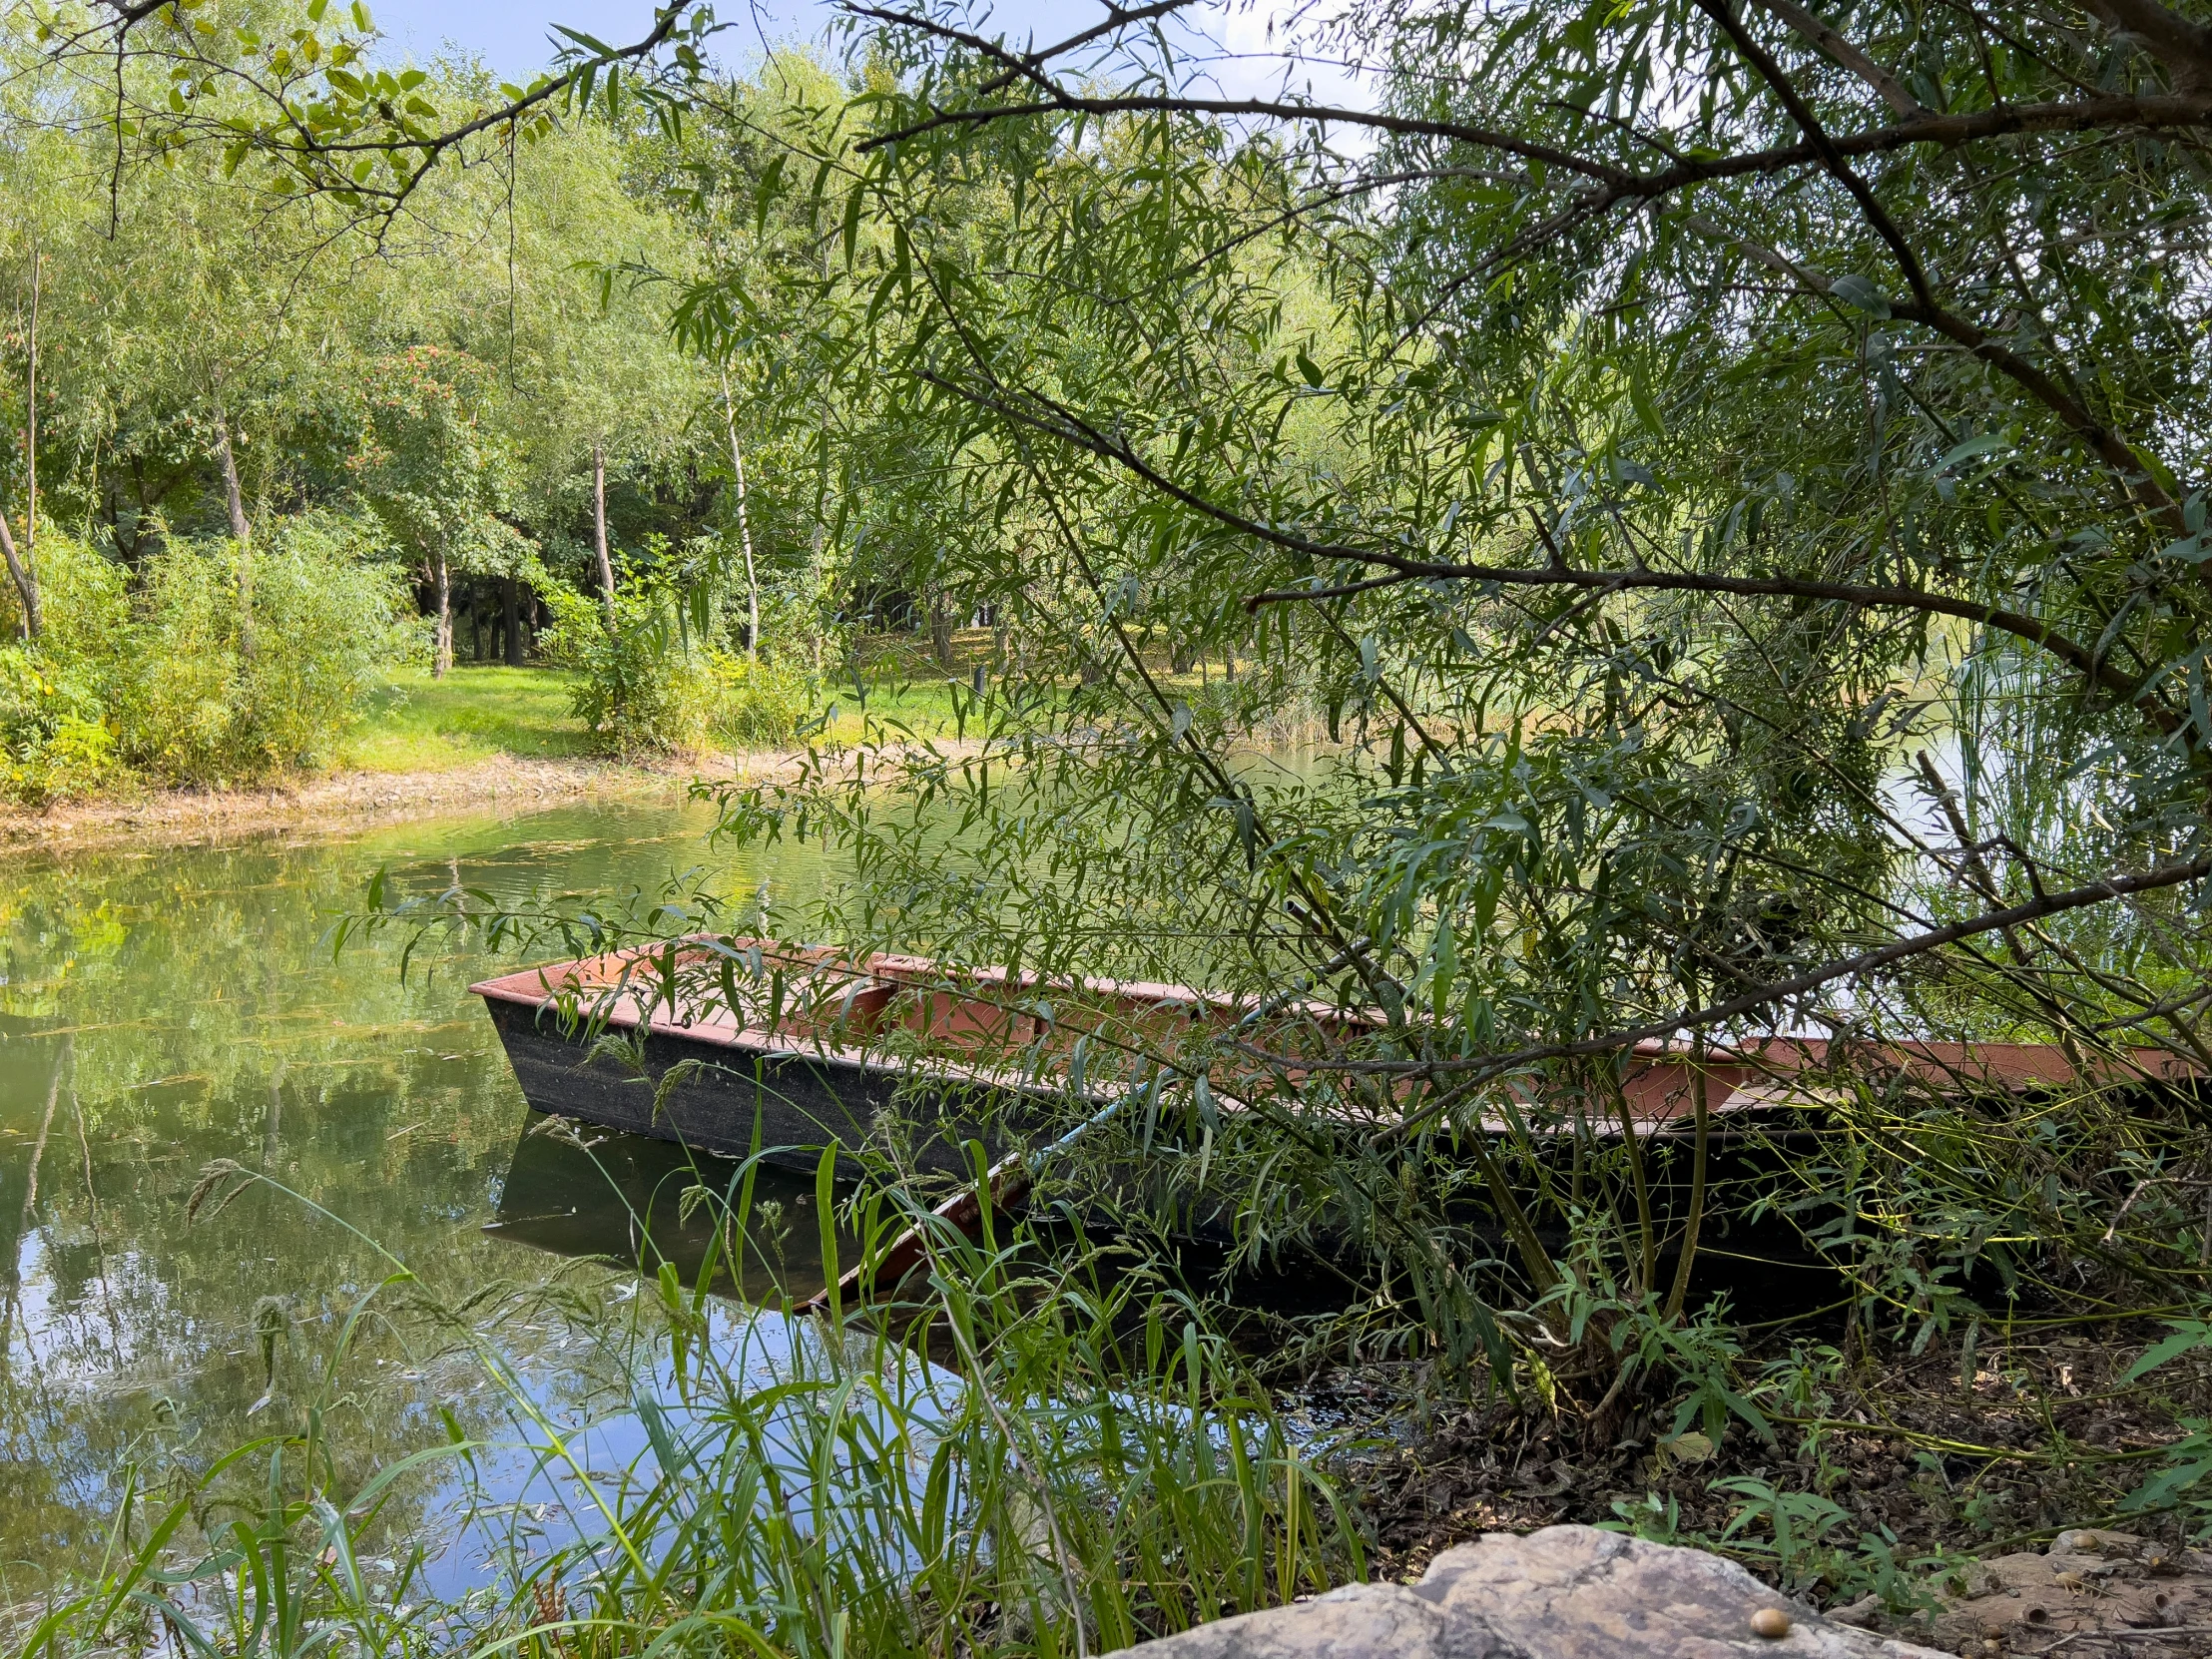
column 731, row 1100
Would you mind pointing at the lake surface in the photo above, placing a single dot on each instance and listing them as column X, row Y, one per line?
column 165, row 1008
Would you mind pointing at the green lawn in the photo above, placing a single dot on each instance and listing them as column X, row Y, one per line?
column 417, row 724
column 480, row 710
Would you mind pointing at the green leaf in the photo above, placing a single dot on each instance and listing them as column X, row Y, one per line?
column 1861, row 295
column 853, row 223
column 1986, row 443
column 2187, row 1337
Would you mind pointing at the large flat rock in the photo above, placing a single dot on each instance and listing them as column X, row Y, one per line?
column 1566, row 1592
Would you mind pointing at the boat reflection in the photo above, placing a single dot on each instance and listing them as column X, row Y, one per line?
column 574, row 1190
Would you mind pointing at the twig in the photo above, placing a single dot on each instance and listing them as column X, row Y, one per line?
column 2158, row 1634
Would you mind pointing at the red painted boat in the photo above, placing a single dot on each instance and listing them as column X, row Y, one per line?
column 792, row 1049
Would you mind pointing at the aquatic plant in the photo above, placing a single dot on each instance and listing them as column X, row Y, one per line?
column 1082, row 1463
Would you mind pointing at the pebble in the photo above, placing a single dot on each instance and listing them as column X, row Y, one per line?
column 1770, row 1622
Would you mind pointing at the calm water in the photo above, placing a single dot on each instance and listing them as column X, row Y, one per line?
column 165, row 1008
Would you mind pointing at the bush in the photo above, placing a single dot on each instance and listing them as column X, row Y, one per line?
column 763, row 705
column 644, row 689
column 57, row 732
column 197, row 707
column 52, row 727
column 637, row 690
column 161, row 680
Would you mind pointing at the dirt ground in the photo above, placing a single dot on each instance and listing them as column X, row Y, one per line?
column 1971, row 1490
column 348, row 802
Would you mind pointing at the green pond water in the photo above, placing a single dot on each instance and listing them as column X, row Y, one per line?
column 167, row 1007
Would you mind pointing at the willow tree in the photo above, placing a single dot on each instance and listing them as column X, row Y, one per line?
column 1637, row 436
column 1728, row 483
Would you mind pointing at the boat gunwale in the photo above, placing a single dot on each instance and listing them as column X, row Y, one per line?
column 1951, row 1068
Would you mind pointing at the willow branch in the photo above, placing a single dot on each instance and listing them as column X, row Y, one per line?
column 1072, row 429
column 1474, row 1069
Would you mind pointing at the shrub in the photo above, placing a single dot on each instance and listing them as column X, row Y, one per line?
column 161, row 679
column 57, row 734
column 640, row 688
column 762, row 703
column 197, row 706
column 52, row 727
column 644, row 688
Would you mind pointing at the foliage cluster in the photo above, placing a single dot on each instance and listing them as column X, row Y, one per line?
column 1731, row 485
column 1712, row 475
column 647, row 685
column 488, row 370
column 157, row 680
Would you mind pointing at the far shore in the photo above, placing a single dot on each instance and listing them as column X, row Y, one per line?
column 340, row 802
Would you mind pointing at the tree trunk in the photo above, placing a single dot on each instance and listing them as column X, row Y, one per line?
column 26, row 583
column 744, row 533
column 940, row 632
column 599, row 528
column 30, row 417
column 241, row 532
column 814, row 541
column 441, row 661
column 21, row 569
column 511, row 621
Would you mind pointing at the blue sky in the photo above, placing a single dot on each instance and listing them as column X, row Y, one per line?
column 511, row 35
column 1232, row 45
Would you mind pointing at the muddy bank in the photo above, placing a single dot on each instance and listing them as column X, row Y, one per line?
column 1929, row 1494
column 345, row 801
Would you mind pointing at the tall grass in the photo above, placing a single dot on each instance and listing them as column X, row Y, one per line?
column 1082, row 1465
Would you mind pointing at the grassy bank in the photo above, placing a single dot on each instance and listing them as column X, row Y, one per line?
column 1086, row 1466
column 1093, row 1459
column 476, row 713
column 483, row 711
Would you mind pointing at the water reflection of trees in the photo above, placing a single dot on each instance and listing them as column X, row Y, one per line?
column 159, row 1012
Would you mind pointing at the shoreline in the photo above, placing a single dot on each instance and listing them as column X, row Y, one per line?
column 342, row 802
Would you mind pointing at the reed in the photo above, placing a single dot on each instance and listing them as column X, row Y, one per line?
column 1092, row 1465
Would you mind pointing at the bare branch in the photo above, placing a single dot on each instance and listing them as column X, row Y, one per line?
column 2115, row 112
column 1851, row 56
column 2182, row 48
column 1066, row 103
column 1022, row 66
column 1909, row 262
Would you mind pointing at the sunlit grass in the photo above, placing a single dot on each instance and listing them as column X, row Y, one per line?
column 476, row 713
column 483, row 711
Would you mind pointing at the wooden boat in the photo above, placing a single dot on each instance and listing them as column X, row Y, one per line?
column 728, row 1044
column 734, row 1044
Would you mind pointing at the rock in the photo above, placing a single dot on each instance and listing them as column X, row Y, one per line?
column 2092, row 1582
column 1359, row 1619
column 1566, row 1592
column 1864, row 1614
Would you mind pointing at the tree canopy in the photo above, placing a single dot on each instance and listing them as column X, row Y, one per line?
column 1716, row 491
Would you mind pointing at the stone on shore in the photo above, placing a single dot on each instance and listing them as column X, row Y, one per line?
column 1566, row 1592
